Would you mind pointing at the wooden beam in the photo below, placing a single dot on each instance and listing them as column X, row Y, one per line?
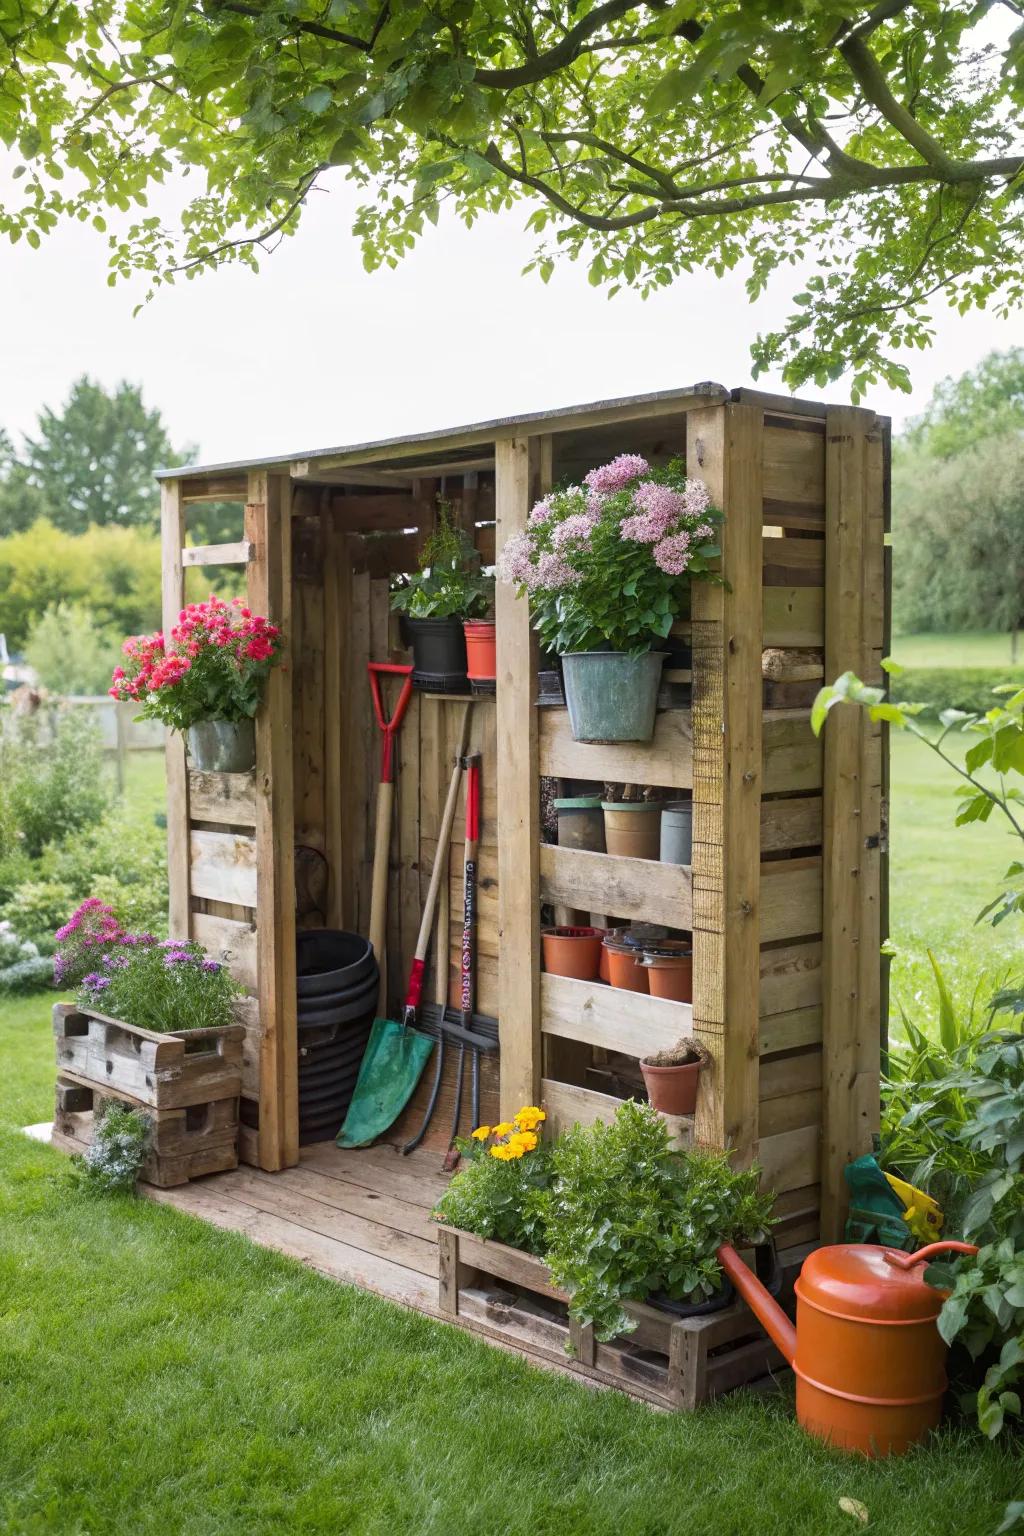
column 850, row 1085
column 518, row 470
column 227, row 487
column 268, row 527
column 172, row 539
column 608, row 1017
column 667, row 760
column 217, row 554
column 644, row 889
column 568, row 1105
column 724, row 448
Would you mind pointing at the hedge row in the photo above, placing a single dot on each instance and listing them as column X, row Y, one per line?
column 941, row 688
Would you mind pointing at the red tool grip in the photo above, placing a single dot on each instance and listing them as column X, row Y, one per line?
column 416, row 975
column 389, row 727
column 473, row 800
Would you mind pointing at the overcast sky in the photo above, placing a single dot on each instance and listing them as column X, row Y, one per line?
column 314, row 352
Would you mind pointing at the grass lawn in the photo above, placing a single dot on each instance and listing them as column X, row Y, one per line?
column 981, row 648
column 158, row 1376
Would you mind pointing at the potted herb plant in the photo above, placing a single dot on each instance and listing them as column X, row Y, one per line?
column 606, row 566
column 444, row 605
column 206, row 680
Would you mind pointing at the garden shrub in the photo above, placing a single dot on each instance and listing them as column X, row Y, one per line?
column 966, row 688
column 52, row 772
column 122, row 860
column 37, row 907
column 497, row 1193
column 118, row 1150
column 22, row 967
column 71, row 651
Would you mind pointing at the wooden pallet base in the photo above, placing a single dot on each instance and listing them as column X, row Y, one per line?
column 676, row 1363
column 185, row 1143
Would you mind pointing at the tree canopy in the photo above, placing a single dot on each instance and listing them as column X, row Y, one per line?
column 986, row 401
column 881, row 143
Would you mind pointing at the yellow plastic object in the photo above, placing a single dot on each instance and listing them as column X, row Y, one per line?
column 922, row 1214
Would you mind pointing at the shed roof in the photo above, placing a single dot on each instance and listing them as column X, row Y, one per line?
column 463, row 436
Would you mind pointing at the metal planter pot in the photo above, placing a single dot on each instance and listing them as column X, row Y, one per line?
column 611, row 696
column 222, row 746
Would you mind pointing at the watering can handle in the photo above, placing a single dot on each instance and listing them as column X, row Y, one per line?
column 925, row 1255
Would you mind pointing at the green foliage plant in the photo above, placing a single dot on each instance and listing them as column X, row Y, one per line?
column 607, row 565
column 159, row 985
column 70, row 651
column 114, row 1159
column 51, row 776
column 498, row 1192
column 880, row 147
column 627, row 1216
column 450, row 582
column 970, row 689
column 113, row 571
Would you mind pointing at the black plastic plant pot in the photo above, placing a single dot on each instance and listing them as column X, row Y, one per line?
column 438, row 654
column 331, row 962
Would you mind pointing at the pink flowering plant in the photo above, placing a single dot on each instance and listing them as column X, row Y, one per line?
column 606, row 564
column 213, row 666
column 163, row 985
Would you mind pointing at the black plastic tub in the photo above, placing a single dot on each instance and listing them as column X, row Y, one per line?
column 438, row 653
column 341, row 1009
column 331, row 961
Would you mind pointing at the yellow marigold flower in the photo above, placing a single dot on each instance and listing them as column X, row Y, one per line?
column 502, row 1151
column 522, row 1141
column 481, row 1133
column 514, row 1148
column 529, row 1117
column 503, row 1128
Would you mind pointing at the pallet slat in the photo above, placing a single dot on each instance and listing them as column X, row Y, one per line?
column 633, row 888
column 223, row 866
column 608, row 1017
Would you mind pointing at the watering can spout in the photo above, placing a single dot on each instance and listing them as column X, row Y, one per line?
column 767, row 1311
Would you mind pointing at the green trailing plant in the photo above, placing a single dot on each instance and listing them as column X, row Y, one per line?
column 114, row 1159
column 450, row 582
column 627, row 1216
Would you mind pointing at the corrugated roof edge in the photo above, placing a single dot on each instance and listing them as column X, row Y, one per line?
column 416, row 439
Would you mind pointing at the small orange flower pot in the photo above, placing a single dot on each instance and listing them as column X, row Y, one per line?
column 574, row 952
column 672, row 1090
column 480, row 650
column 625, row 968
column 670, row 976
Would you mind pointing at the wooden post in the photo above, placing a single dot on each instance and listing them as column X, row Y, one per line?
column 172, row 539
column 268, row 528
column 519, row 465
column 851, row 966
column 724, row 447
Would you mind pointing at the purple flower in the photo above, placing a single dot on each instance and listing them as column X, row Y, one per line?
column 658, row 507
column 615, row 476
column 540, row 514
column 576, row 529
column 514, row 562
column 672, row 555
column 95, row 983
column 211, row 967
column 554, row 572
column 177, row 957
column 698, row 498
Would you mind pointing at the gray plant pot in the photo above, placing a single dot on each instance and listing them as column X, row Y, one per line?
column 677, row 832
column 222, row 746
column 611, row 696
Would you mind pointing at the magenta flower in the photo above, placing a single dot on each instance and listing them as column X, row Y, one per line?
column 540, row 514
column 554, row 572
column 608, row 478
column 576, row 529
column 514, row 562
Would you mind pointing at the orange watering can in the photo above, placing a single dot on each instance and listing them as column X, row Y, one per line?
column 868, row 1357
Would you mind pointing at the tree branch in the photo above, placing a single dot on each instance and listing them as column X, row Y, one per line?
column 868, row 73
column 563, row 53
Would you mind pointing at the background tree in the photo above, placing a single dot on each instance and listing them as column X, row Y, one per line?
column 984, row 402
column 882, row 142
column 114, row 572
column 71, row 651
column 92, row 463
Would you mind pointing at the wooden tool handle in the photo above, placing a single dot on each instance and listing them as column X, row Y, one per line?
column 381, row 855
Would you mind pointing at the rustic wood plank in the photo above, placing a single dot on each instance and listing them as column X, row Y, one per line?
column 790, row 977
column 231, row 942
column 794, row 616
column 779, row 665
column 793, row 562
column 794, row 470
column 610, row 1018
column 848, row 1119
column 517, row 470
column 786, row 1031
column 666, row 760
column 633, row 888
column 416, row 1179
column 338, row 1260
column 227, row 798
column 239, row 553
column 726, row 448
column 268, row 526
column 337, row 606
column 790, row 1112
column 790, row 899
column 223, row 866
column 172, row 539
column 794, row 823
column 384, row 1207
column 568, row 1105
column 215, row 487
column 791, row 1159
column 793, row 756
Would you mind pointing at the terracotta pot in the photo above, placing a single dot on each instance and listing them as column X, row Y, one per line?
column 572, row 952
column 672, row 1090
column 670, row 976
column 625, row 968
column 480, row 650
column 632, row 829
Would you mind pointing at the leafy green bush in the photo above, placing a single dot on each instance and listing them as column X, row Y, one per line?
column 966, row 688
column 22, row 967
column 52, row 777
column 450, row 581
column 626, row 1216
column 115, row 571
column 70, row 650
column 122, row 860
column 38, row 907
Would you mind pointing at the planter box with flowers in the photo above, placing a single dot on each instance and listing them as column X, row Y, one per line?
column 206, row 680
column 597, row 1252
column 153, row 1027
column 607, row 567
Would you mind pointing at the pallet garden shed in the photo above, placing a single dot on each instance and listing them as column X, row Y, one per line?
column 786, row 893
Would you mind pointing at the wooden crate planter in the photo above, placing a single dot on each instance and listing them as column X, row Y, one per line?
column 184, row 1142
column 676, row 1363
column 163, row 1071
column 187, row 1083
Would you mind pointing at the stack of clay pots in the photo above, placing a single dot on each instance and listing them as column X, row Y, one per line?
column 338, row 982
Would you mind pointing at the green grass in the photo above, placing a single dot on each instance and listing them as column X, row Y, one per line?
column 158, row 1376
column 982, row 648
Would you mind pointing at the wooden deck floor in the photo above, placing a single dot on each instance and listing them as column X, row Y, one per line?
column 361, row 1217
